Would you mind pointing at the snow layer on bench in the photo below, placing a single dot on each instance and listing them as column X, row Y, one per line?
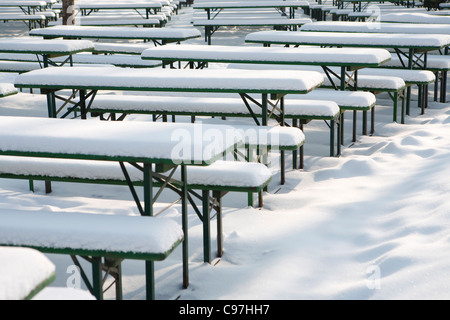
column 209, row 105
column 220, row 173
column 113, row 233
column 22, row 271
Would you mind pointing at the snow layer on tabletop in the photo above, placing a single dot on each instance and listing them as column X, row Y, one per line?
column 375, row 27
column 87, row 231
column 116, row 139
column 180, row 79
column 44, row 46
column 272, row 54
column 116, row 32
column 350, row 36
column 22, row 270
column 414, row 17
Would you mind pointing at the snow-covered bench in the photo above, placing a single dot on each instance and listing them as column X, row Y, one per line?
column 219, row 178
column 24, row 273
column 439, row 64
column 7, row 89
column 106, row 239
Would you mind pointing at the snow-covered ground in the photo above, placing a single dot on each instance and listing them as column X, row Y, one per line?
column 371, row 224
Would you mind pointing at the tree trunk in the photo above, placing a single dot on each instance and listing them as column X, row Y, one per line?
column 68, row 12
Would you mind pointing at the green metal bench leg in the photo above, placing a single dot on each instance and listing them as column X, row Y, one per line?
column 206, row 227
column 354, row 125
column 150, row 280
column 394, row 118
column 218, row 197
column 408, row 99
column 250, row 199
column 332, row 138
column 97, row 281
column 372, row 120
column 364, row 123
column 184, row 217
column 403, row 107
column 294, row 152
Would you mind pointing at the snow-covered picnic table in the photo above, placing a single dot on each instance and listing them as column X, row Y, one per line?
column 157, row 35
column 215, row 7
column 173, row 80
column 142, row 144
column 24, row 272
column 325, row 57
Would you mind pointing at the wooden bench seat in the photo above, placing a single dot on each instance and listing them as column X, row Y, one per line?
column 105, row 239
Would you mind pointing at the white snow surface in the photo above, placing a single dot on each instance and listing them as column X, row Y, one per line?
column 372, row 224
